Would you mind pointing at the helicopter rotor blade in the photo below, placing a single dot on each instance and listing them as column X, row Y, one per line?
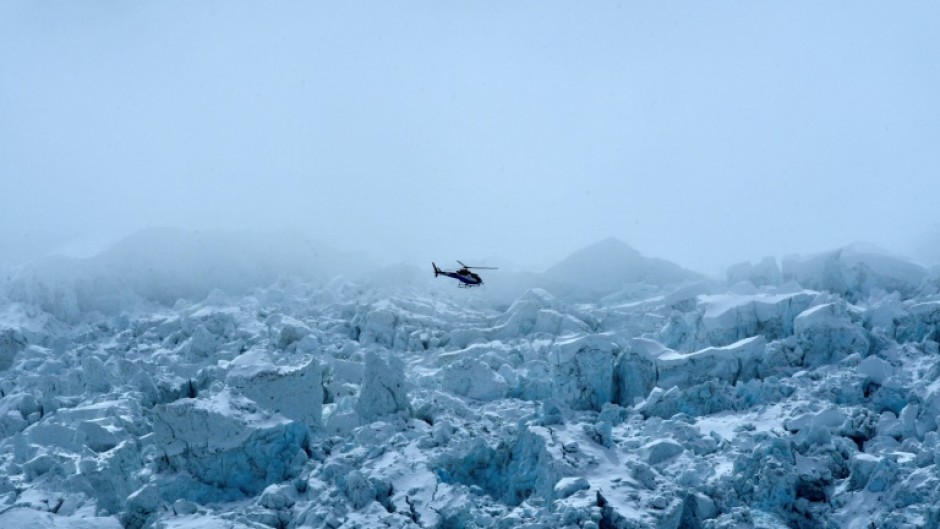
column 478, row 267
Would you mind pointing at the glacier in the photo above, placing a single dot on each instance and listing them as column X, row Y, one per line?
column 635, row 394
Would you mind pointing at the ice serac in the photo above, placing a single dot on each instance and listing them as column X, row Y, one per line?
column 383, row 389
column 11, row 343
column 636, row 371
column 469, row 377
column 766, row 272
column 536, row 311
column 228, row 441
column 582, row 371
column 922, row 321
column 827, row 334
column 295, row 392
column 730, row 364
column 568, row 486
column 728, row 318
column 513, row 472
column 854, row 272
column 25, row 518
column 378, row 326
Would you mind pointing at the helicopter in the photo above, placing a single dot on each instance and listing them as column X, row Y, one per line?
column 467, row 278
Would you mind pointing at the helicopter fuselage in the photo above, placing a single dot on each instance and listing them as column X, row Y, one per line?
column 466, row 277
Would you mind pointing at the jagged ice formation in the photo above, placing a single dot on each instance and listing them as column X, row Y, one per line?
column 804, row 396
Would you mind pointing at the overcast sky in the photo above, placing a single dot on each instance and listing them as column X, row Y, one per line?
column 702, row 132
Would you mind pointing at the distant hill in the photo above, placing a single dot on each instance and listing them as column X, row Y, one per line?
column 611, row 265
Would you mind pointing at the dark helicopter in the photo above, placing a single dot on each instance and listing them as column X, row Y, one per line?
column 464, row 275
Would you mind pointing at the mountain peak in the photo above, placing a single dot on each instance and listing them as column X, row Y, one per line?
column 612, row 243
column 610, row 263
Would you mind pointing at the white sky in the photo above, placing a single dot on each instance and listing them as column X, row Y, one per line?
column 702, row 132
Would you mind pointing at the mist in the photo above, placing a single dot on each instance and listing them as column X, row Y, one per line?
column 503, row 133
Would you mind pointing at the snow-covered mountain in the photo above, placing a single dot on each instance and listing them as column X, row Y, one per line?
column 606, row 269
column 611, row 265
column 218, row 393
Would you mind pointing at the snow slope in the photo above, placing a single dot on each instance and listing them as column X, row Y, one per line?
column 328, row 404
